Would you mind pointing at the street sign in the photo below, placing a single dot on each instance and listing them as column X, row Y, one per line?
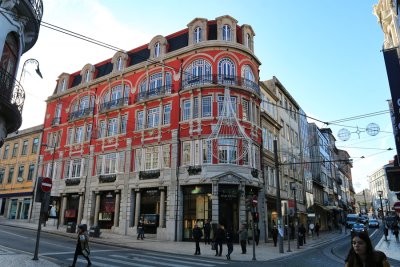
column 255, row 201
column 46, row 184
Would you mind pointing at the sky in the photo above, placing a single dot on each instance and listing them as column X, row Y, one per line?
column 327, row 54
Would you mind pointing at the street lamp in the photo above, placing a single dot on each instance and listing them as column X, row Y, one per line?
column 380, row 192
column 278, row 198
column 293, row 187
column 29, row 61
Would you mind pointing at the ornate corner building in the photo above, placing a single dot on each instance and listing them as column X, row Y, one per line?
column 20, row 24
column 168, row 133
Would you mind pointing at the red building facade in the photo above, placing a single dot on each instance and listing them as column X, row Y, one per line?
column 150, row 134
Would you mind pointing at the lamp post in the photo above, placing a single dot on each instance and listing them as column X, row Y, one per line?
column 278, row 198
column 383, row 216
column 293, row 186
column 29, row 61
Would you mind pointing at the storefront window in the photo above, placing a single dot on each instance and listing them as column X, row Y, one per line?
column 196, row 208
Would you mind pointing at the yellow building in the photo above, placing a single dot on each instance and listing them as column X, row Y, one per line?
column 18, row 171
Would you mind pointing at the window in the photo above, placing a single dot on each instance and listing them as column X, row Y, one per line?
column 31, row 171
column 124, row 123
column 102, row 131
column 227, row 150
column 78, row 134
column 24, row 147
column 198, row 72
column 10, row 175
column 168, row 82
column 155, row 83
column 245, row 109
column 110, row 163
column 227, row 112
column 186, row 152
column 112, row 128
column 197, row 35
column 157, row 49
column 35, row 145
column 151, row 160
column 15, row 150
column 195, row 107
column 70, row 136
column 226, row 33
column 140, row 120
column 119, row 63
column 153, row 116
column 283, row 128
column 2, row 171
column 74, row 168
column 57, row 114
column 248, row 77
column 6, row 149
column 63, row 85
column 138, row 159
column 166, row 156
column 21, row 171
column 207, row 153
column 87, row 76
column 167, row 114
column 206, row 106
column 88, row 135
column 226, row 71
column 248, row 40
column 186, row 109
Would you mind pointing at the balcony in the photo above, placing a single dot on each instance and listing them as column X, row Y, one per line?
column 150, row 174
column 12, row 97
column 195, row 81
column 154, row 92
column 114, row 104
column 56, row 121
column 107, row 178
column 79, row 114
column 72, row 181
column 194, row 170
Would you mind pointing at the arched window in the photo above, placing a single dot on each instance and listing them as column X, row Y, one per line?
column 248, row 77
column 226, row 71
column 197, row 35
column 157, row 49
column 226, row 33
column 198, row 72
column 156, row 85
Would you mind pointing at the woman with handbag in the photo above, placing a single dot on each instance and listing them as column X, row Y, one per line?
column 82, row 245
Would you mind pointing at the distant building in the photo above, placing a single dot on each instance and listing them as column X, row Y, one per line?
column 20, row 23
column 18, row 168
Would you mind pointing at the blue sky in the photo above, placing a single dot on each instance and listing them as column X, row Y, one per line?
column 326, row 54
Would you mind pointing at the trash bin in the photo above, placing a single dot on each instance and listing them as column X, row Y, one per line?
column 71, row 227
column 94, row 231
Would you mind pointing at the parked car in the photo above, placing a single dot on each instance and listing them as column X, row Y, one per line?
column 359, row 227
column 364, row 219
column 373, row 223
column 352, row 219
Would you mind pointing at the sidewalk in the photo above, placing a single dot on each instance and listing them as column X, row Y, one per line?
column 11, row 257
column 263, row 252
column 391, row 247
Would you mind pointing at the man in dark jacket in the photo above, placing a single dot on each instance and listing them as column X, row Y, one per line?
column 197, row 234
column 207, row 232
column 229, row 242
column 82, row 245
column 219, row 238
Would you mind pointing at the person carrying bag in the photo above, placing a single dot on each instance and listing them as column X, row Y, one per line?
column 82, row 245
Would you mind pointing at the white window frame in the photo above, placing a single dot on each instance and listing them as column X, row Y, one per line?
column 153, row 117
column 197, row 35
column 226, row 32
column 186, row 110
column 152, row 160
column 157, row 49
column 140, row 120
column 167, row 114
column 206, row 106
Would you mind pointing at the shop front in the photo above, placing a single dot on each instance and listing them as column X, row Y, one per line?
column 228, row 196
column 150, row 209
column 107, row 209
column 196, row 207
column 71, row 211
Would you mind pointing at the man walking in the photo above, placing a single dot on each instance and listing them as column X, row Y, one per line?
column 243, row 238
column 82, row 245
column 229, row 242
column 219, row 239
column 317, row 229
column 197, row 234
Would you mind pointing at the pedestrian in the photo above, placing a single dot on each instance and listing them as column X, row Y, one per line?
column 229, row 242
column 311, row 228
column 396, row 231
column 243, row 238
column 207, row 232
column 386, row 231
column 302, row 232
column 140, row 230
column 317, row 229
column 197, row 234
column 275, row 235
column 82, row 245
column 362, row 253
column 257, row 235
column 219, row 238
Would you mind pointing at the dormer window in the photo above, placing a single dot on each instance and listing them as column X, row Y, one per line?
column 157, row 49
column 248, row 40
column 87, row 76
column 63, row 84
column 119, row 64
column 197, row 35
column 226, row 33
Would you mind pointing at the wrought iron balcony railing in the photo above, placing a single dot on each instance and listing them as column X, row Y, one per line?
column 74, row 115
column 149, row 174
column 155, row 92
column 114, row 104
column 56, row 121
column 11, row 91
column 217, row 79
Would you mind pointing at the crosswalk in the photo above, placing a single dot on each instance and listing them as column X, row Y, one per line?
column 6, row 251
column 148, row 259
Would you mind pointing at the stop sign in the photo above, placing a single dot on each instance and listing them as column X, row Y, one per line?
column 46, row 184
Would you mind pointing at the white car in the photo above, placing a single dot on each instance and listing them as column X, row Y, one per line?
column 373, row 223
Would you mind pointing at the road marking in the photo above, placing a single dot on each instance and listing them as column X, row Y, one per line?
column 138, row 258
column 72, row 252
column 122, row 262
column 13, row 234
column 172, row 260
column 191, row 259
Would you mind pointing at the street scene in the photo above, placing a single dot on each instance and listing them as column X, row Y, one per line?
column 218, row 134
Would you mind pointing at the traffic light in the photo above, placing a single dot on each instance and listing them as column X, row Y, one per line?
column 249, row 203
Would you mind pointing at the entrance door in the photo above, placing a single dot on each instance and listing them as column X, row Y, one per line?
column 229, row 207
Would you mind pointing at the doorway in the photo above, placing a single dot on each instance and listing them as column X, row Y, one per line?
column 229, row 207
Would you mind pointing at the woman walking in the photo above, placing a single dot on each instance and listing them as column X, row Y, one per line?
column 82, row 245
column 362, row 253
